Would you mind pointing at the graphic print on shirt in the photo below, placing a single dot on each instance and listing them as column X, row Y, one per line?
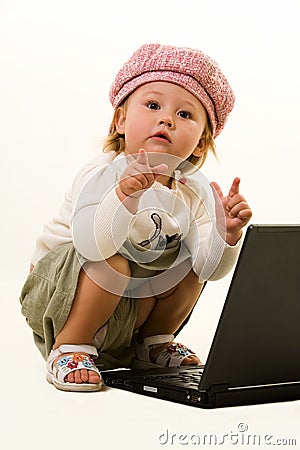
column 163, row 240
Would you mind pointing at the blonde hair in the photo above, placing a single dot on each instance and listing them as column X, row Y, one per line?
column 116, row 142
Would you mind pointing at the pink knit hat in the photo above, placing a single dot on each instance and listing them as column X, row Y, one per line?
column 189, row 68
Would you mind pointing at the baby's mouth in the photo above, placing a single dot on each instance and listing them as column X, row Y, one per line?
column 161, row 135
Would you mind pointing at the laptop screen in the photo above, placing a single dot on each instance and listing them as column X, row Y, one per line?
column 258, row 336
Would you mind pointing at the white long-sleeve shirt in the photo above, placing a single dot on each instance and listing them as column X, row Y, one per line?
column 169, row 226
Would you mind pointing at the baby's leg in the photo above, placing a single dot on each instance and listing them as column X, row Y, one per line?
column 92, row 307
column 169, row 311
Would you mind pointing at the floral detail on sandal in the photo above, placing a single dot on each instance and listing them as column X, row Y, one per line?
column 72, row 364
column 63, row 361
column 72, row 361
column 181, row 349
column 88, row 362
column 78, row 357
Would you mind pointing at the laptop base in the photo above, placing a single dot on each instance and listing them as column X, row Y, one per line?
column 151, row 383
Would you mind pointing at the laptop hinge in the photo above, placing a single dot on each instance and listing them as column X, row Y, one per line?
column 219, row 387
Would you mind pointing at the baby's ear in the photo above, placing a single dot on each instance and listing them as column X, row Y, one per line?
column 199, row 149
column 120, row 119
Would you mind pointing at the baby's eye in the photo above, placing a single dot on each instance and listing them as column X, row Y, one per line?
column 184, row 114
column 153, row 105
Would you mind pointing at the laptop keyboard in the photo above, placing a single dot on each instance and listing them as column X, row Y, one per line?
column 188, row 378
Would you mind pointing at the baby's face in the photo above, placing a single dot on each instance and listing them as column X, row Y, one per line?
column 162, row 117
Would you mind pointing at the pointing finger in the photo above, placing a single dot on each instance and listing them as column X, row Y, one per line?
column 216, row 189
column 234, row 187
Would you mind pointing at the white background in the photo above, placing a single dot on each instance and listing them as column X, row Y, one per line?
column 57, row 61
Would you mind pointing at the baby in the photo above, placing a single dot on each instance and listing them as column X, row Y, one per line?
column 119, row 269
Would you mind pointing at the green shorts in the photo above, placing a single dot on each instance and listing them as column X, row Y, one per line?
column 47, row 298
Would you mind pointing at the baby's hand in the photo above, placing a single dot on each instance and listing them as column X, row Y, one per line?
column 236, row 211
column 139, row 175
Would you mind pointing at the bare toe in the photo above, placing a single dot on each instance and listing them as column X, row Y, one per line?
column 78, row 379
column 84, row 375
column 191, row 360
column 93, row 377
column 70, row 378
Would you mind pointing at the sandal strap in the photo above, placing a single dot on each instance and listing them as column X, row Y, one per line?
column 69, row 363
column 69, row 348
column 158, row 339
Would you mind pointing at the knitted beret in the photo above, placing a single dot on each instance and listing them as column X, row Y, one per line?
column 187, row 67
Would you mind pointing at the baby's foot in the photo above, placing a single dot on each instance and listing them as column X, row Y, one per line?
column 173, row 347
column 79, row 376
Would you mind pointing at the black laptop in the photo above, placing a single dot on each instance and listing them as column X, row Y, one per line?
column 255, row 354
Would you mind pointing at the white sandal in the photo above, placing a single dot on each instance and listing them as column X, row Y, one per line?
column 76, row 360
column 170, row 356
